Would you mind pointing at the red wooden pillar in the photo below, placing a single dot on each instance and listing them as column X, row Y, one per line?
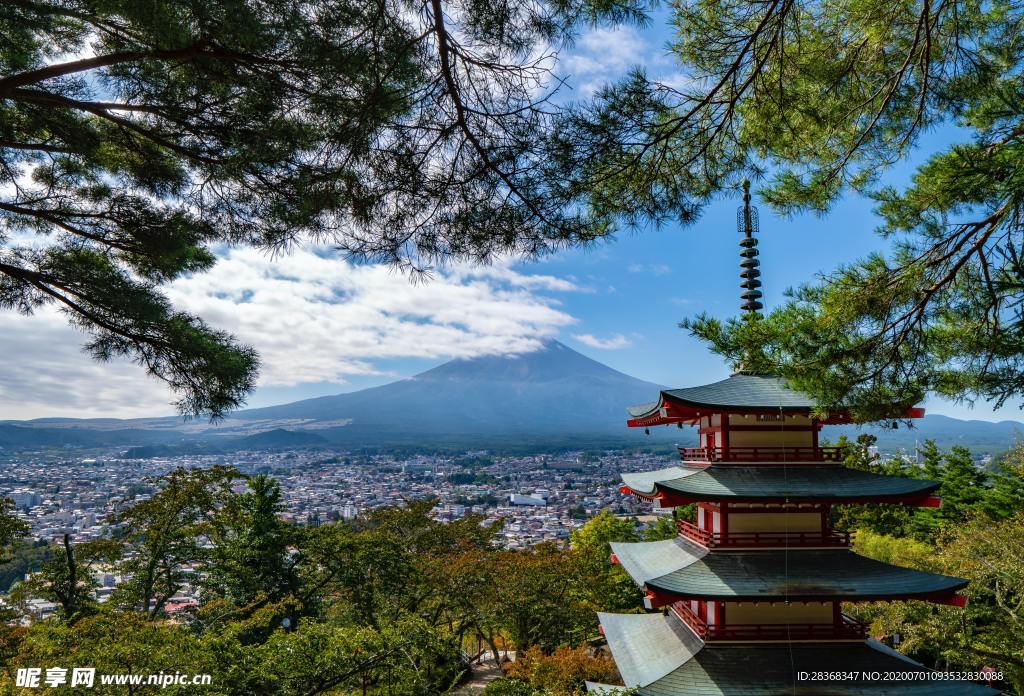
column 725, row 435
column 724, row 516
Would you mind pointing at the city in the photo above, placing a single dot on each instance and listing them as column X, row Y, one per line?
column 537, row 498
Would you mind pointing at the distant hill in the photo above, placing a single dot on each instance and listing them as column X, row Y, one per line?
column 554, row 398
column 555, row 394
column 980, row 436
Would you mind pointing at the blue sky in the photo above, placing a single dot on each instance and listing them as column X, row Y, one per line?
column 323, row 326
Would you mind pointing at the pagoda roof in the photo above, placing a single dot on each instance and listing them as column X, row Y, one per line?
column 742, row 392
column 734, row 670
column 648, row 647
column 679, row 568
column 806, row 482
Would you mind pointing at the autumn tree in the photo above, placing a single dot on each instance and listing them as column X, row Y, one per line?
column 989, row 630
column 564, row 672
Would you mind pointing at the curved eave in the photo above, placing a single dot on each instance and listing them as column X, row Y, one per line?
column 647, row 647
column 644, row 483
column 646, row 560
column 740, row 394
column 805, row 575
column 775, row 669
column 759, row 484
column 804, row 484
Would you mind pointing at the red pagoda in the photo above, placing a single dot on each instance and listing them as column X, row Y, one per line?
column 750, row 594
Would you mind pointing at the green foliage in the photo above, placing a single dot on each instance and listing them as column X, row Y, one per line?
column 116, row 642
column 12, row 529
column 988, row 631
column 24, row 558
column 136, row 138
column 510, row 687
column 391, row 603
column 816, row 99
column 66, row 577
column 165, row 533
column 607, row 587
column 1005, row 496
column 664, row 527
column 881, row 519
column 901, row 551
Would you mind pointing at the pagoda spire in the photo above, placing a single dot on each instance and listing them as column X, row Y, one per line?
column 747, row 225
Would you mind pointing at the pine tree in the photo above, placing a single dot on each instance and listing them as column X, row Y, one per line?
column 137, row 137
column 818, row 100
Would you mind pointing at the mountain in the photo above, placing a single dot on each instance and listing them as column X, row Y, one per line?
column 978, row 435
column 554, row 393
column 554, row 398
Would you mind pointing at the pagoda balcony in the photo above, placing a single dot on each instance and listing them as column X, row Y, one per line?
column 781, row 455
column 847, row 629
column 750, row 540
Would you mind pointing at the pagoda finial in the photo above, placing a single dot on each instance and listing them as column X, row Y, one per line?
column 746, row 223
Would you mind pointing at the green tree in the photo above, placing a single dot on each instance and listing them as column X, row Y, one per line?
column 989, row 630
column 533, row 599
column 12, row 528
column 963, row 486
column 165, row 533
column 604, row 586
column 136, row 137
column 1005, row 496
column 882, row 519
column 67, row 577
column 250, row 560
column 818, row 99
column 116, row 642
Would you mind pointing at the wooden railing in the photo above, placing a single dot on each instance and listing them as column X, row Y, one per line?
column 696, row 624
column 847, row 629
column 828, row 537
column 762, row 454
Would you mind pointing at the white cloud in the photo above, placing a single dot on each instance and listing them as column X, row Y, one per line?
column 611, row 343
column 658, row 269
column 47, row 374
column 313, row 317
column 601, row 56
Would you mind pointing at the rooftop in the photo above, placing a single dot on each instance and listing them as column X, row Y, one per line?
column 680, row 568
column 806, row 483
column 684, row 665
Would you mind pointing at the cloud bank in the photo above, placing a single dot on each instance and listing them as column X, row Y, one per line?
column 611, row 343
column 313, row 317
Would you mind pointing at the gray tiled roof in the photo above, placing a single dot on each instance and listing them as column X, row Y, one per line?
column 641, row 409
column 652, row 559
column 769, row 670
column 659, row 655
column 740, row 391
column 802, row 482
column 647, row 647
column 799, row 574
column 643, row 481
